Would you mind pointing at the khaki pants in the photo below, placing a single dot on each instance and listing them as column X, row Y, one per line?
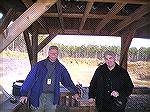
column 45, row 103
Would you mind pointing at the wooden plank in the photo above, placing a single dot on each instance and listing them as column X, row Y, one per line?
column 34, row 43
column 29, row 3
column 59, row 9
column 114, row 10
column 143, row 10
column 46, row 41
column 69, row 31
column 126, row 40
column 28, row 44
column 142, row 22
column 136, row 25
column 86, row 13
column 6, row 20
column 74, row 15
column 123, row 1
column 24, row 21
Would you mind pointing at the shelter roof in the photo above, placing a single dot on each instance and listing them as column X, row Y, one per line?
column 89, row 17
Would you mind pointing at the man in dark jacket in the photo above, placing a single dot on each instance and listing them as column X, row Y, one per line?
column 42, row 85
column 110, row 84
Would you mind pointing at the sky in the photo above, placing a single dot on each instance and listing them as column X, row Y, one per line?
column 79, row 40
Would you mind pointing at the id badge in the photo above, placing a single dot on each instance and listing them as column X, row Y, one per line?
column 48, row 81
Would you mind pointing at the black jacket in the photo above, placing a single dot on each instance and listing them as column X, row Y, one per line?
column 120, row 79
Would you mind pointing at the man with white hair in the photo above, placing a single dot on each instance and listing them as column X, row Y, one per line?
column 110, row 86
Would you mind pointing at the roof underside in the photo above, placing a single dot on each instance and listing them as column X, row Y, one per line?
column 89, row 17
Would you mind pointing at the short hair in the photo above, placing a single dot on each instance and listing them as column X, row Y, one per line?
column 111, row 53
column 53, row 47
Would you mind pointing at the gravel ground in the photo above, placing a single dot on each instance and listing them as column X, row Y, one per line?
column 139, row 103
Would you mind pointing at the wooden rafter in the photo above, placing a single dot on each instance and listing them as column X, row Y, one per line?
column 138, row 24
column 24, row 21
column 114, row 10
column 73, row 15
column 29, row 3
column 144, row 9
column 68, row 31
column 85, row 15
column 123, row 1
column 59, row 9
column 46, row 41
column 7, row 20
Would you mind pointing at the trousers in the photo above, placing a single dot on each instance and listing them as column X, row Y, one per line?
column 45, row 103
column 110, row 111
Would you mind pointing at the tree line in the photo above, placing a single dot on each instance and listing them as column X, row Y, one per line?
column 89, row 51
column 94, row 51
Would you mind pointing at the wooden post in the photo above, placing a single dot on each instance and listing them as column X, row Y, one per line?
column 125, row 44
column 28, row 44
column 34, row 43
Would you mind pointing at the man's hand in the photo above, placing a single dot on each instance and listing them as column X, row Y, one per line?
column 23, row 99
column 114, row 93
column 91, row 100
column 76, row 97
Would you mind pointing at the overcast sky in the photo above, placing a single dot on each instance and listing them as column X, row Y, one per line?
column 98, row 40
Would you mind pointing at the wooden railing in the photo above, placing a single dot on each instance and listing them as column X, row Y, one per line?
column 21, row 108
column 67, row 103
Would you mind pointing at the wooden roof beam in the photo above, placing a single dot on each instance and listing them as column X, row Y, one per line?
column 68, row 31
column 86, row 13
column 46, row 41
column 139, row 24
column 73, row 15
column 114, row 10
column 123, row 1
column 59, row 9
column 7, row 19
column 29, row 3
column 141, row 11
column 24, row 21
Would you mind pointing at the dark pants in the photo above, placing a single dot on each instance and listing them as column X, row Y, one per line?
column 110, row 110
column 107, row 106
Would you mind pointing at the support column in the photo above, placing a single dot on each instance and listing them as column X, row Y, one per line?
column 125, row 44
column 28, row 45
column 34, row 43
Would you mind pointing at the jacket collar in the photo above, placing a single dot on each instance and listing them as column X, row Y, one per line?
column 46, row 60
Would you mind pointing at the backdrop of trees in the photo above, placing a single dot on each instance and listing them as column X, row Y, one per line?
column 94, row 51
column 90, row 51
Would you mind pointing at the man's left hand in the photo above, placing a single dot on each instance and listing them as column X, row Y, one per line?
column 114, row 93
column 76, row 97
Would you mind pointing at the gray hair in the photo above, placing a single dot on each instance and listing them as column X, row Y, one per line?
column 53, row 47
column 111, row 53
